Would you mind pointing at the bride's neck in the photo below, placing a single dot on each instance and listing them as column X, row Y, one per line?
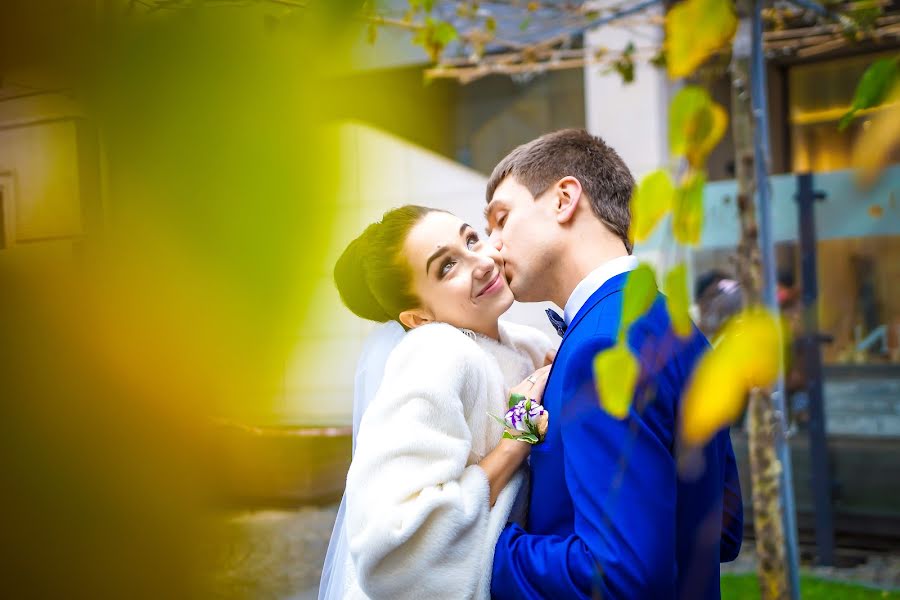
column 492, row 331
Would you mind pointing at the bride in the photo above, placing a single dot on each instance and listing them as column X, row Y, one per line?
column 432, row 481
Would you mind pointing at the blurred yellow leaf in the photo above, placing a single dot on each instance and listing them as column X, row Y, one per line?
column 676, row 291
column 615, row 375
column 687, row 219
column 747, row 355
column 876, row 144
column 696, row 29
column 639, row 294
column 700, row 149
column 696, row 125
column 650, row 202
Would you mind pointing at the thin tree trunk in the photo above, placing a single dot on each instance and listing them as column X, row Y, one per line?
column 765, row 468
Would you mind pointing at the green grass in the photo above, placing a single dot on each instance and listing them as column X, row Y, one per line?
column 746, row 587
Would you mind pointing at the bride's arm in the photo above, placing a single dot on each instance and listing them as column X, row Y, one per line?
column 502, row 462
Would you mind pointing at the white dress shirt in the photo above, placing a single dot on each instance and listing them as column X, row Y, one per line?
column 593, row 281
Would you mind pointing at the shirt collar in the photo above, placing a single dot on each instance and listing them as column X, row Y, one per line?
column 593, row 281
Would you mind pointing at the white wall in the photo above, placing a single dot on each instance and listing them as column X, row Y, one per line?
column 630, row 117
column 379, row 172
column 633, row 118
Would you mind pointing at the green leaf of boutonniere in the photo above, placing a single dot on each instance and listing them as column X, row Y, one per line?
column 515, row 399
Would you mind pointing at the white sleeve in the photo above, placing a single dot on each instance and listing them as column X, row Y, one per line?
column 416, row 514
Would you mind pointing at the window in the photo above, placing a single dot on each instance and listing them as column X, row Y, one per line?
column 819, row 95
column 7, row 222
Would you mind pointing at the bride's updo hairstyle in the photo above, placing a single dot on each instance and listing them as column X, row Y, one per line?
column 373, row 276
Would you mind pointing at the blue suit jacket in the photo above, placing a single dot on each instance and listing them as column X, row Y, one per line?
column 608, row 511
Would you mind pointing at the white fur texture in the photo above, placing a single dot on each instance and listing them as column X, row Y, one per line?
column 419, row 522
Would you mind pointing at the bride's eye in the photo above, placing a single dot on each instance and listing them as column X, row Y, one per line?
column 445, row 268
column 471, row 240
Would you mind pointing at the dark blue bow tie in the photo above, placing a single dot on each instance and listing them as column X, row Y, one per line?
column 559, row 324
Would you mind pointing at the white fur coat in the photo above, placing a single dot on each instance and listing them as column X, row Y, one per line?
column 419, row 521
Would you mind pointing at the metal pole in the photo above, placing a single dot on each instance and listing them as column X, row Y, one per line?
column 818, row 444
column 767, row 248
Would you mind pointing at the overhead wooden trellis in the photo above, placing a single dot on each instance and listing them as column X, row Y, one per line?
column 471, row 39
column 516, row 37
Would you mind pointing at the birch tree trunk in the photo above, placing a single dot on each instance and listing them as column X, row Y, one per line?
column 765, row 468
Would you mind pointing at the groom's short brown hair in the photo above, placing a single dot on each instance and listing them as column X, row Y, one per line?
column 573, row 153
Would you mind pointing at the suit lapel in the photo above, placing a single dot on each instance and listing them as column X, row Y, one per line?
column 611, row 286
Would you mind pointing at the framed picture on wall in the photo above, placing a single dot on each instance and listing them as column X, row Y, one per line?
column 7, row 204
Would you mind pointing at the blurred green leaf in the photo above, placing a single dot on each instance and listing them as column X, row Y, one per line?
column 434, row 36
column 677, row 300
column 638, row 295
column 659, row 60
column 444, row 33
column 696, row 125
column 687, row 219
column 864, row 16
column 651, row 201
column 615, row 376
column 872, row 88
column 624, row 65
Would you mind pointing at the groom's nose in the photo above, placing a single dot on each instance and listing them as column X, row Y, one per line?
column 495, row 241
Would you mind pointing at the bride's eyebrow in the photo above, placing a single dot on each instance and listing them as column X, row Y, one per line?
column 438, row 253
column 443, row 249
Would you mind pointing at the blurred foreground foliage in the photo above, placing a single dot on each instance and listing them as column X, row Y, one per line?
column 181, row 304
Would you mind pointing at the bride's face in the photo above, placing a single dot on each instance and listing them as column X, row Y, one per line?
column 457, row 274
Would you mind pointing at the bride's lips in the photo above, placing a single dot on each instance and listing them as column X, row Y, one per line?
column 492, row 287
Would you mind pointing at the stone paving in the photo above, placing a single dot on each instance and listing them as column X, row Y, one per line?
column 275, row 554
column 278, row 555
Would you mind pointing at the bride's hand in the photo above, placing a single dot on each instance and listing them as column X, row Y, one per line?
column 533, row 386
column 550, row 357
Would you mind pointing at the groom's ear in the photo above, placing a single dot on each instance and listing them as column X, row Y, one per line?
column 415, row 317
column 568, row 195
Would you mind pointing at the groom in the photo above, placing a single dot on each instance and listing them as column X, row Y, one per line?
column 609, row 513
